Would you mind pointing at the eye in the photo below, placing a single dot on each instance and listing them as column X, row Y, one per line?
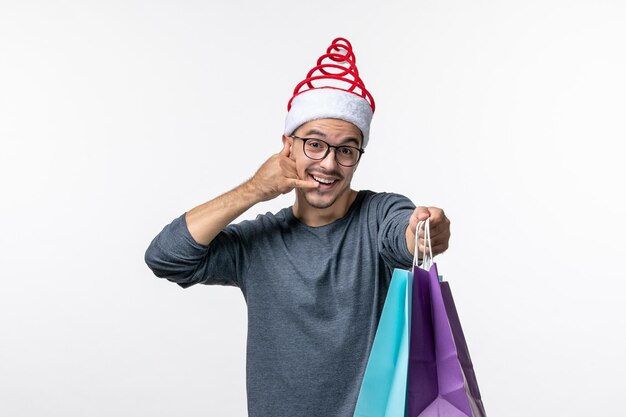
column 315, row 144
column 346, row 150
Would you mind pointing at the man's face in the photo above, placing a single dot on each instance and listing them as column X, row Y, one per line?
column 334, row 179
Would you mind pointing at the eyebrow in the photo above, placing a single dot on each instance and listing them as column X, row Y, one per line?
column 323, row 135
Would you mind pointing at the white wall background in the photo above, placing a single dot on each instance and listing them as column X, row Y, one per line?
column 116, row 117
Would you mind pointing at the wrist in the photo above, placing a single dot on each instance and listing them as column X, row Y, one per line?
column 250, row 191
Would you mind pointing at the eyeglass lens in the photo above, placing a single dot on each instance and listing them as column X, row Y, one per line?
column 318, row 149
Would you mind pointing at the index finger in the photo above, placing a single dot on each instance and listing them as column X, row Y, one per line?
column 304, row 184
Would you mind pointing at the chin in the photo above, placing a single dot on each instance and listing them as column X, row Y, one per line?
column 320, row 204
column 319, row 200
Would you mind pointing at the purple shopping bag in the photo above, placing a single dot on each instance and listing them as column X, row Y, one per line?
column 438, row 385
column 475, row 400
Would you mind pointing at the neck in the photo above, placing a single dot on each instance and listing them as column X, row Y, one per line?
column 316, row 217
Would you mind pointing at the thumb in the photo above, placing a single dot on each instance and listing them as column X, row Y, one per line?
column 422, row 213
column 286, row 149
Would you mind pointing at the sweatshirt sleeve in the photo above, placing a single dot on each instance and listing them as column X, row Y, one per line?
column 394, row 212
column 175, row 255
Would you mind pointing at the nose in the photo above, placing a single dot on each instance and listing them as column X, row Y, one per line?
column 330, row 161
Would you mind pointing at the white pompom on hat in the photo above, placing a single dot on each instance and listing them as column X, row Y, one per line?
column 342, row 94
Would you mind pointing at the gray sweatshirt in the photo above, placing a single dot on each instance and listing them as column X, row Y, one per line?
column 314, row 296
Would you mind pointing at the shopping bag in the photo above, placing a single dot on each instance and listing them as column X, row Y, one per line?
column 476, row 403
column 437, row 383
column 383, row 389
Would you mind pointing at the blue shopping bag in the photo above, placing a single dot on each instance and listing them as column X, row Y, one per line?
column 383, row 390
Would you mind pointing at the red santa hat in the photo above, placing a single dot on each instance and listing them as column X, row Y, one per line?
column 332, row 89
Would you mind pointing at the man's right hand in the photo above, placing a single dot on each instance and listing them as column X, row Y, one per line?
column 278, row 176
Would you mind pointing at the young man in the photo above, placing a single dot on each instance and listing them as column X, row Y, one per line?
column 314, row 275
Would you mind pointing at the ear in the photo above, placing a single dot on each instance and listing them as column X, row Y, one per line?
column 288, row 141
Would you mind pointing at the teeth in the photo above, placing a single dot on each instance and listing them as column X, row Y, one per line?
column 322, row 180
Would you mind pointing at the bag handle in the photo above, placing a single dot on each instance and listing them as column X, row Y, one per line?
column 427, row 260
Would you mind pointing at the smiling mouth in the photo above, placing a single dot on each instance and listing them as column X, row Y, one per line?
column 324, row 181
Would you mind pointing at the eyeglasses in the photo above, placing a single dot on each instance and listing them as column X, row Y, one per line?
column 317, row 149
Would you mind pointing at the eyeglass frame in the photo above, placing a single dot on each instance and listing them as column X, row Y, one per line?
column 361, row 151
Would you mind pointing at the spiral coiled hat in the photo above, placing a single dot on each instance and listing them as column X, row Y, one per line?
column 332, row 89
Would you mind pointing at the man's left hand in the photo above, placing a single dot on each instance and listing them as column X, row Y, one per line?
column 439, row 230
